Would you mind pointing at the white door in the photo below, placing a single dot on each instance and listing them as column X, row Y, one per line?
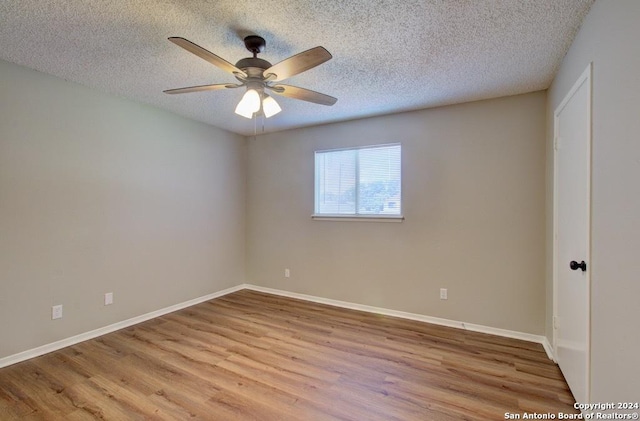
column 572, row 190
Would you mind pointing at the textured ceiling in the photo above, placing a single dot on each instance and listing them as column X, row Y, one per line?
column 388, row 55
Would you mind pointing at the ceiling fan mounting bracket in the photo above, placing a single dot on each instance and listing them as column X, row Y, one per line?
column 254, row 43
column 276, row 89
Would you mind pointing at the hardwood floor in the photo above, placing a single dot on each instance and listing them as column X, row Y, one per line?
column 255, row 356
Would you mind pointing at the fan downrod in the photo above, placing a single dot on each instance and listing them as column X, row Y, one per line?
column 255, row 44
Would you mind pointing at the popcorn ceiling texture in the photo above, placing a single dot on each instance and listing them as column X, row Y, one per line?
column 388, row 55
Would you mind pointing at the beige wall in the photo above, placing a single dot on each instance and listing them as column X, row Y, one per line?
column 609, row 38
column 100, row 194
column 473, row 193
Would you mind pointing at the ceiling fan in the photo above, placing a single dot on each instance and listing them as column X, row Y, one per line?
column 259, row 76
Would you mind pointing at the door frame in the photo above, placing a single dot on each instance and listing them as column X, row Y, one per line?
column 585, row 77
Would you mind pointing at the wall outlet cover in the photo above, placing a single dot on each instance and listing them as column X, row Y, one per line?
column 56, row 312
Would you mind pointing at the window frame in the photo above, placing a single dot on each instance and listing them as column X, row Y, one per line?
column 356, row 216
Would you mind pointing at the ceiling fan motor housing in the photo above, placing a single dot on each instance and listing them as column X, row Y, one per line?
column 249, row 62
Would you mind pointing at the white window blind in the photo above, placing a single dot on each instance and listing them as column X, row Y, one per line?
column 358, row 182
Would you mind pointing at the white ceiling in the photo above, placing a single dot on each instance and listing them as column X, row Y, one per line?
column 388, row 55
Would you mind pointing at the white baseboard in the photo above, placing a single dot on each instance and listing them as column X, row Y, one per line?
column 54, row 346
column 549, row 349
column 412, row 316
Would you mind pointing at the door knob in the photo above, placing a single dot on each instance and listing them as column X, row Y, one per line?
column 575, row 265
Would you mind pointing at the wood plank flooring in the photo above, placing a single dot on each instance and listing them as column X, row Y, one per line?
column 255, row 356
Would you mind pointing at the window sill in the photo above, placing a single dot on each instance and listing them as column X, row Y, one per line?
column 359, row 218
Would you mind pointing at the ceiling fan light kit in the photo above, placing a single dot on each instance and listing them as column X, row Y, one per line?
column 258, row 75
column 249, row 104
column 270, row 107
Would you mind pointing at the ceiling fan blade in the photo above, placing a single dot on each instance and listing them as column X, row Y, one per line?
column 298, row 63
column 303, row 94
column 207, row 55
column 201, row 88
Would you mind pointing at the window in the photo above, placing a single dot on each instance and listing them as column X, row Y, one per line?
column 358, row 182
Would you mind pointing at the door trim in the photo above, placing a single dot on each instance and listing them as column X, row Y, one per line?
column 585, row 77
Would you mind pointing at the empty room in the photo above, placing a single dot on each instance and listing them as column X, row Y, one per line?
column 319, row 210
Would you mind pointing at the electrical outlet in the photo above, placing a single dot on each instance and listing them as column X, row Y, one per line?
column 287, row 273
column 56, row 312
column 443, row 293
column 108, row 298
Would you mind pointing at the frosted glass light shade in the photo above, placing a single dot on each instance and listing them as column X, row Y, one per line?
column 249, row 104
column 270, row 107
